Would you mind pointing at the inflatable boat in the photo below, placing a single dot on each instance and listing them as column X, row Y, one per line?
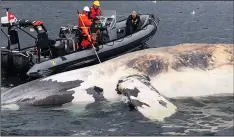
column 50, row 56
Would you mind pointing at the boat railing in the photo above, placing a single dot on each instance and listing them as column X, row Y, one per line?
column 19, row 25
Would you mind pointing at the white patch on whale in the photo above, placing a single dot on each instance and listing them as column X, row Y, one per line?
column 81, row 96
column 92, row 76
column 152, row 107
column 78, row 74
column 172, row 84
column 195, row 83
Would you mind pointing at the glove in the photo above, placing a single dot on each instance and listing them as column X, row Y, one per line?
column 96, row 47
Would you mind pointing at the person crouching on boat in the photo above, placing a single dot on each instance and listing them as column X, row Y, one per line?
column 84, row 24
column 84, row 21
column 132, row 23
column 95, row 30
column 95, row 10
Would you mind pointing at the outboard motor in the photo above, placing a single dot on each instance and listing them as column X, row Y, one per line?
column 13, row 60
column 66, row 32
column 63, row 31
column 70, row 37
column 76, row 31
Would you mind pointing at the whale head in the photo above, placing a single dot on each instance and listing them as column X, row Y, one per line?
column 143, row 97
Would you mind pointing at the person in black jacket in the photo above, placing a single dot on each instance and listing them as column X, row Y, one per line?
column 94, row 27
column 95, row 30
column 132, row 23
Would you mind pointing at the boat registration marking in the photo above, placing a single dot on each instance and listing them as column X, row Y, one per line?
column 53, row 62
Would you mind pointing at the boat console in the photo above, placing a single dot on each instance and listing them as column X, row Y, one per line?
column 108, row 22
column 108, row 19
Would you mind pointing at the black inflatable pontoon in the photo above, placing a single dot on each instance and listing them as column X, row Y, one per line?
column 53, row 56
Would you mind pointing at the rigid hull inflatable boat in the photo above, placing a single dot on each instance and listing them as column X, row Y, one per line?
column 54, row 56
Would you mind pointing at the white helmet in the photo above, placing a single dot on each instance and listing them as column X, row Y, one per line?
column 86, row 8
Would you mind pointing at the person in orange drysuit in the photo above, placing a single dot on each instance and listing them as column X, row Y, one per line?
column 84, row 23
column 95, row 10
column 89, row 42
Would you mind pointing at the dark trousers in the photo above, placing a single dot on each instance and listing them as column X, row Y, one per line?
column 130, row 29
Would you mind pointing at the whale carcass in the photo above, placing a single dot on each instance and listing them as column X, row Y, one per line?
column 207, row 65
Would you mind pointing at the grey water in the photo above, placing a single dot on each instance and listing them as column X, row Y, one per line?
column 211, row 23
column 205, row 116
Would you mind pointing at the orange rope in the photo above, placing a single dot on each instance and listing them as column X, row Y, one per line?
column 90, row 39
column 88, row 29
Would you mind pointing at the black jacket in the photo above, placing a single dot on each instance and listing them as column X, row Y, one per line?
column 93, row 29
column 129, row 21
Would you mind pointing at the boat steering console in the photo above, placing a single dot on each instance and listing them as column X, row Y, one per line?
column 108, row 22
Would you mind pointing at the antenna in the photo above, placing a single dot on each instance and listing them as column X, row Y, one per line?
column 7, row 9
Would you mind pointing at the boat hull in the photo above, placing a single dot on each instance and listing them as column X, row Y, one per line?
column 88, row 56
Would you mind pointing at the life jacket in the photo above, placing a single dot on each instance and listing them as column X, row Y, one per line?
column 89, row 40
column 87, row 43
column 94, row 12
column 84, row 22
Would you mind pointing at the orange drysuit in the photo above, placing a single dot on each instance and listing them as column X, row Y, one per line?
column 94, row 12
column 84, row 22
